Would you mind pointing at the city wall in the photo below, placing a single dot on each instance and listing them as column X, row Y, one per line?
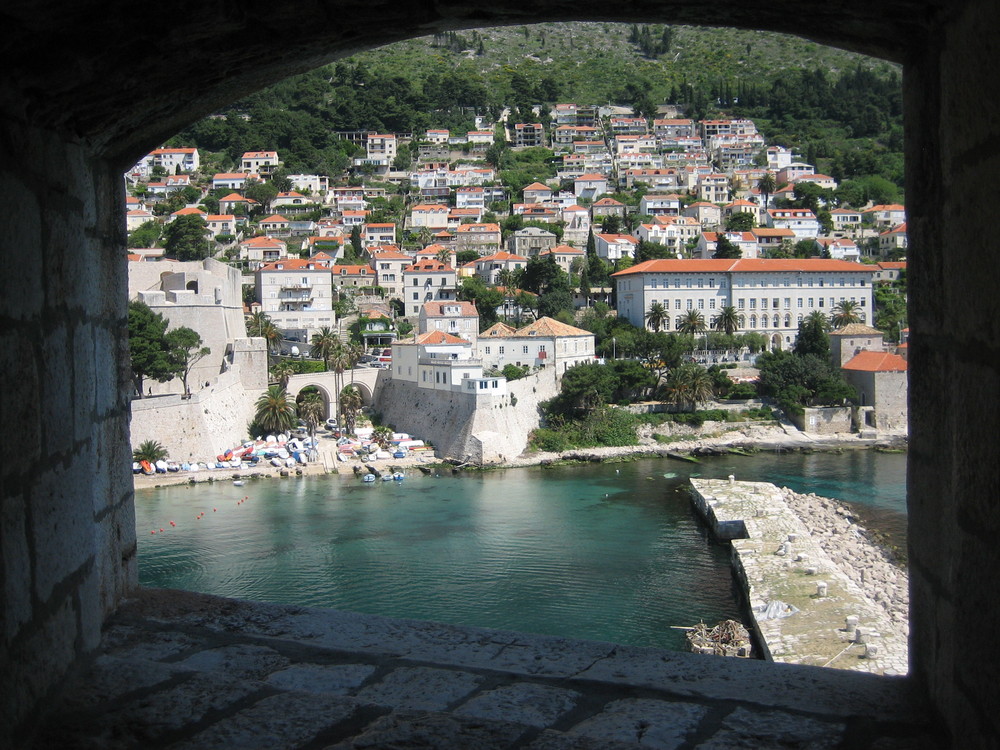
column 477, row 429
column 199, row 428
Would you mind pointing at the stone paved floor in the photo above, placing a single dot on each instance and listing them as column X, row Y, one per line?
column 182, row 670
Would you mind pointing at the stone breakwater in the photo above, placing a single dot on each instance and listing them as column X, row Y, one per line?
column 852, row 548
column 818, row 591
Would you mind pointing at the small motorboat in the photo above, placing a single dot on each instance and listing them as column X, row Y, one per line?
column 368, row 478
column 237, row 483
column 398, row 476
column 399, row 454
column 147, row 468
column 136, row 468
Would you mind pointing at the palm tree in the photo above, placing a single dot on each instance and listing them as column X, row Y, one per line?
column 444, row 255
column 355, row 352
column 351, row 402
column 149, row 450
column 728, row 320
column 282, row 372
column 275, row 412
column 767, row 185
column 657, row 316
column 312, row 410
column 687, row 386
column 692, row 322
column 382, row 435
column 844, row 313
column 257, row 323
column 323, row 342
column 339, row 360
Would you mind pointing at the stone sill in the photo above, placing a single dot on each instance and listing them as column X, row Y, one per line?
column 195, row 671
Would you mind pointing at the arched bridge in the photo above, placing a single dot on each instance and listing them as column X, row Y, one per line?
column 365, row 378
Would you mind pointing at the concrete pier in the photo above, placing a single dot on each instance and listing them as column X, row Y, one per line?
column 781, row 566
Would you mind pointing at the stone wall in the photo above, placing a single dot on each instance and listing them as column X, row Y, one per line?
column 826, row 420
column 481, row 430
column 199, row 428
column 68, row 525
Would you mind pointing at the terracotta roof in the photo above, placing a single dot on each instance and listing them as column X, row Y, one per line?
column 190, row 211
column 856, row 329
column 564, row 249
column 892, row 265
column 503, row 255
column 608, row 202
column 550, row 327
column 712, row 265
column 275, row 219
column 538, row 186
column 440, row 337
column 435, row 309
column 295, row 264
column 479, row 228
column 428, row 264
column 876, row 362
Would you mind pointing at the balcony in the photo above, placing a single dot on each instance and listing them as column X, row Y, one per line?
column 290, row 285
column 448, row 360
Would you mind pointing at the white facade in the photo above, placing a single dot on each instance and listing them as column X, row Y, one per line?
column 297, row 295
column 774, row 296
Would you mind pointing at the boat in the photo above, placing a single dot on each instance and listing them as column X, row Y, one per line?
column 369, row 478
column 136, row 468
column 398, row 476
column 386, row 477
column 147, row 468
column 237, row 483
column 161, row 466
column 399, row 454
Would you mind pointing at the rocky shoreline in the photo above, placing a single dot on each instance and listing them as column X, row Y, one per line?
column 855, row 552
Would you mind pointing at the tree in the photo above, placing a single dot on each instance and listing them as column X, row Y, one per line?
column 687, row 386
column 149, row 355
column 741, row 221
column 658, row 316
column 262, row 192
column 844, row 313
column 692, row 323
column 383, row 436
column 145, row 235
column 185, row 238
column 259, row 325
column 185, row 351
column 323, row 342
column 275, row 412
column 282, row 371
column 149, row 450
column 728, row 320
column 725, row 248
column 351, row 402
column 311, row 410
column 767, row 185
column 813, row 338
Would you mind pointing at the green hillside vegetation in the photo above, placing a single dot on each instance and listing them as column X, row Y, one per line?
column 842, row 111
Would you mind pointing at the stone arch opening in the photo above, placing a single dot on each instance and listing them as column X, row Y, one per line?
column 63, row 311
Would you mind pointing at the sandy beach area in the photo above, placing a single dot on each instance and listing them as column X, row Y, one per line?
column 749, row 437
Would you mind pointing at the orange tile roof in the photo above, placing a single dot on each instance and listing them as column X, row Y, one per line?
column 550, row 327
column 875, row 362
column 503, row 255
column 435, row 309
column 440, row 337
column 275, row 219
column 744, row 265
column 479, row 228
column 498, row 330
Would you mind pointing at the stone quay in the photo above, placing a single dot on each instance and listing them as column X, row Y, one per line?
column 818, row 592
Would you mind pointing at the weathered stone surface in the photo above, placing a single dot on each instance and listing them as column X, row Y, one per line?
column 644, row 722
column 243, row 661
column 525, row 703
column 549, row 740
column 746, row 729
column 127, row 642
column 420, row 688
column 110, row 679
column 281, row 722
column 336, row 679
column 429, row 730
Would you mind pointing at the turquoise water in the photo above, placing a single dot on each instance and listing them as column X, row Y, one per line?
column 606, row 551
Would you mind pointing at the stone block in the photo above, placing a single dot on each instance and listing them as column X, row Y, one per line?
column 525, row 703
column 336, row 679
column 746, row 729
column 431, row 730
column 16, row 565
column 420, row 689
column 645, row 722
column 280, row 722
column 244, row 661
column 22, row 225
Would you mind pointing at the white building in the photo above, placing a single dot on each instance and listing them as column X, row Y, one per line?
column 440, row 361
column 773, row 296
column 259, row 162
column 427, row 280
column 454, row 317
column 543, row 343
column 297, row 295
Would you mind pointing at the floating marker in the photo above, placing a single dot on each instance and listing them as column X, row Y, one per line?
column 153, row 531
column 161, row 531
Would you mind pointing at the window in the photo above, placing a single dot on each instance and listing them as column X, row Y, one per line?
column 525, row 347
column 689, row 305
column 677, row 304
column 740, row 304
column 788, row 302
column 541, row 347
column 820, row 301
column 810, row 302
column 487, row 350
column 711, row 303
column 753, row 303
column 701, row 304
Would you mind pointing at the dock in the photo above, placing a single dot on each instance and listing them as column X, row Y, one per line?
column 804, row 609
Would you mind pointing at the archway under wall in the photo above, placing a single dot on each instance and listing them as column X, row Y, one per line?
column 115, row 85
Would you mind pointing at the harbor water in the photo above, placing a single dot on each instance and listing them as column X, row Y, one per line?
column 609, row 551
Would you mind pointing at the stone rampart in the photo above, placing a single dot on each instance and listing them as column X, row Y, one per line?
column 198, row 428
column 477, row 429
